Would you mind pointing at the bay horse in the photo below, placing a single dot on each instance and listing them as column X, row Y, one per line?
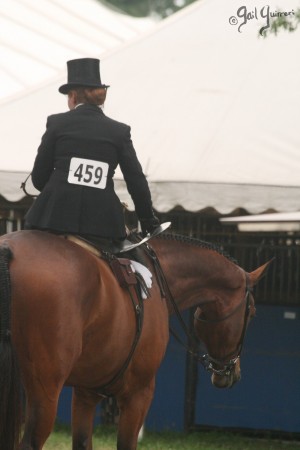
column 65, row 320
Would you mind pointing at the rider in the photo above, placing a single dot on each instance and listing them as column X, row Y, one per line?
column 76, row 161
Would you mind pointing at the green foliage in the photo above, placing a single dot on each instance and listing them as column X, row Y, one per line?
column 143, row 8
column 282, row 22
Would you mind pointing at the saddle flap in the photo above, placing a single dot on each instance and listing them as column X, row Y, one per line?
column 123, row 271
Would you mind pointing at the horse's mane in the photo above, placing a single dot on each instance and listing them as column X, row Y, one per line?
column 197, row 243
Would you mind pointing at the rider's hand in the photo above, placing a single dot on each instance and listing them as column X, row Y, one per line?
column 149, row 225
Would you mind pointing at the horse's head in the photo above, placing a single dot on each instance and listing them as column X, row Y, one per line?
column 222, row 329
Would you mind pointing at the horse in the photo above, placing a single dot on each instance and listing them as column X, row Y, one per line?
column 66, row 321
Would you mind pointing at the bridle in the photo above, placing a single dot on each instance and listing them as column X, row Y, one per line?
column 225, row 366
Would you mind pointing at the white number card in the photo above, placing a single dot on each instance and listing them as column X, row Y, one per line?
column 88, row 173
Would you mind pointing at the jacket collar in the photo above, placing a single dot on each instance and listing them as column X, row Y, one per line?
column 87, row 106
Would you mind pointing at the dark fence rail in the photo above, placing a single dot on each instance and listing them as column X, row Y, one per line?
column 281, row 284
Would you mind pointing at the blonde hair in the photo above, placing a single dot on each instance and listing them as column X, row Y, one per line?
column 93, row 96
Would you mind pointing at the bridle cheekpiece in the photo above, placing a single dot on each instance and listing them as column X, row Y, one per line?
column 226, row 366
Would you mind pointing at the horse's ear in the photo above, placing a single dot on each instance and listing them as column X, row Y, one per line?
column 260, row 272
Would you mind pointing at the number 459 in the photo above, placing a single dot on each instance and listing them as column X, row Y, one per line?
column 90, row 173
column 87, row 172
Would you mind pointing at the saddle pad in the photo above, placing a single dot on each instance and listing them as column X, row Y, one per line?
column 144, row 277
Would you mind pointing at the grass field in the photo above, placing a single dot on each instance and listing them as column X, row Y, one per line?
column 105, row 439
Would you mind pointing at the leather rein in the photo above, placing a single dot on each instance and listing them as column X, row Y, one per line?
column 221, row 367
column 23, row 187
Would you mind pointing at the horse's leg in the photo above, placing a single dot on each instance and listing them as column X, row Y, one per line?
column 84, row 403
column 133, row 410
column 40, row 417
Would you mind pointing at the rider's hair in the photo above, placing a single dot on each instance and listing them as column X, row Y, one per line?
column 93, row 96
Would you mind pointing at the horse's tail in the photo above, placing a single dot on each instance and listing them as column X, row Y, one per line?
column 10, row 381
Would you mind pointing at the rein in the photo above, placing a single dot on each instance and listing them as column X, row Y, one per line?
column 166, row 293
column 23, row 187
column 206, row 360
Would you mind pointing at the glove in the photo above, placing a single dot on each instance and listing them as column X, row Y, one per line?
column 149, row 225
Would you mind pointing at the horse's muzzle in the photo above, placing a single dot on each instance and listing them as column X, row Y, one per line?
column 227, row 380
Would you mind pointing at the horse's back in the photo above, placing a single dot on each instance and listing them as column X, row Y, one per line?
column 39, row 248
column 53, row 291
column 46, row 268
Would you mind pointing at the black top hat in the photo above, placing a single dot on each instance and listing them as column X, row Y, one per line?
column 83, row 72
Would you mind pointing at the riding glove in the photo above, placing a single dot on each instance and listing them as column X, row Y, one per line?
column 149, row 225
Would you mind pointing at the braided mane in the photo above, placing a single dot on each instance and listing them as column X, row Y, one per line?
column 196, row 243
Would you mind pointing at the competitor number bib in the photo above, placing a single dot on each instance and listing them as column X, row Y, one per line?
column 88, row 172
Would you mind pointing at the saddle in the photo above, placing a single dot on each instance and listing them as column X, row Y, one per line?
column 128, row 272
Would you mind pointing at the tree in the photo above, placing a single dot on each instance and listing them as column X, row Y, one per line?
column 286, row 22
column 144, row 8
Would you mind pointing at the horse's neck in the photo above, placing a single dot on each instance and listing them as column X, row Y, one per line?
column 195, row 274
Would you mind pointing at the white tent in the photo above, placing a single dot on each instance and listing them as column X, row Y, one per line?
column 37, row 37
column 214, row 111
column 36, row 40
column 289, row 221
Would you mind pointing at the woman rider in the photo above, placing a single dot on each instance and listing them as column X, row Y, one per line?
column 76, row 162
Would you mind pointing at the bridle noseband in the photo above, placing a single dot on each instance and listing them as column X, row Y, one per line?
column 227, row 367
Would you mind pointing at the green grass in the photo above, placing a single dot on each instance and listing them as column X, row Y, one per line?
column 105, row 439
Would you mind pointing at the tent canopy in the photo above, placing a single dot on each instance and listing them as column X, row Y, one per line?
column 37, row 37
column 266, row 222
column 214, row 111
